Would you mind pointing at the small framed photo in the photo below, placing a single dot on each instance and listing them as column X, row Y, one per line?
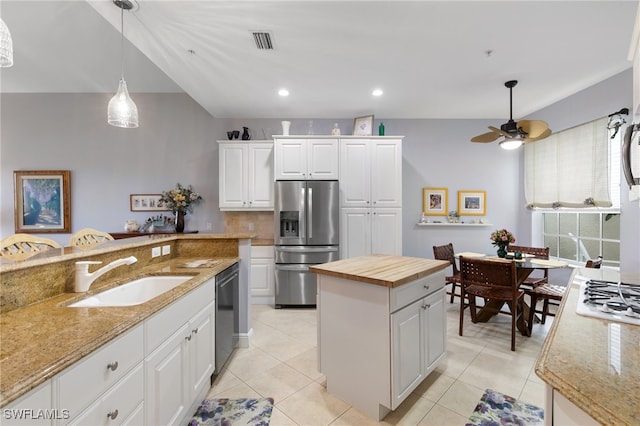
column 435, row 201
column 472, row 203
column 146, row 203
column 363, row 126
column 42, row 202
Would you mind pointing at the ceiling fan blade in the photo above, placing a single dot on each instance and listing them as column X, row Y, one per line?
column 486, row 137
column 502, row 132
column 533, row 128
column 543, row 135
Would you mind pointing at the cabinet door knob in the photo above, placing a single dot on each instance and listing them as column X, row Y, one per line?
column 426, row 287
column 113, row 366
column 425, row 307
column 112, row 415
column 188, row 337
column 194, row 331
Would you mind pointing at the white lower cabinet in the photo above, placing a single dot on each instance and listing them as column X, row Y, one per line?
column 262, row 274
column 418, row 343
column 27, row 409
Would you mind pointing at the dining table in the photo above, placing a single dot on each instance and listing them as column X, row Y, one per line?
column 524, row 266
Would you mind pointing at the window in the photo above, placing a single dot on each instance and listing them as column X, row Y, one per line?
column 579, row 235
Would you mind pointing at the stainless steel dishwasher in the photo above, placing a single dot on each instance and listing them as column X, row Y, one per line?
column 227, row 283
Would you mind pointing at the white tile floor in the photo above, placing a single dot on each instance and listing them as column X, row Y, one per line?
column 281, row 363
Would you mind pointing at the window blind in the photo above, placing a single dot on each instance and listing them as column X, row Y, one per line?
column 569, row 169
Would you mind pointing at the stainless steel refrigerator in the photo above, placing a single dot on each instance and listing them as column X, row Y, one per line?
column 306, row 216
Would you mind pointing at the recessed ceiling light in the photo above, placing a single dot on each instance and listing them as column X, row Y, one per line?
column 283, row 92
column 377, row 92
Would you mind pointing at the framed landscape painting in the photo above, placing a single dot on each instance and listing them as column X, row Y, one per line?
column 434, row 201
column 42, row 202
column 472, row 203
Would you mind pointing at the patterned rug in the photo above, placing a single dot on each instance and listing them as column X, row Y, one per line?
column 227, row 412
column 497, row 409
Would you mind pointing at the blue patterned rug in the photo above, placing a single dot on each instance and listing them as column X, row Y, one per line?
column 497, row 409
column 236, row 412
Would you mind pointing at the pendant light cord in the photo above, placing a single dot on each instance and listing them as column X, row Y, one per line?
column 121, row 42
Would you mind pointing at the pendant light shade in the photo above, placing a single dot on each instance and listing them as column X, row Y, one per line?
column 6, row 46
column 122, row 111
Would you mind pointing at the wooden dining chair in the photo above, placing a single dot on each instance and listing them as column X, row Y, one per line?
column 493, row 280
column 446, row 253
column 23, row 246
column 538, row 252
column 88, row 237
column 551, row 295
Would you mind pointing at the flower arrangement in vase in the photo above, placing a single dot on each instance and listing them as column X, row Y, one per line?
column 502, row 238
column 180, row 200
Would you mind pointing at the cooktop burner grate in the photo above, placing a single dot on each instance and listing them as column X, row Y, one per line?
column 615, row 301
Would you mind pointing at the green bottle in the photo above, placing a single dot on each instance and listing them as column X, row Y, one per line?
column 381, row 129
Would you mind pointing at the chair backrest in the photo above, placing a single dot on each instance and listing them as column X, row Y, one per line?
column 474, row 271
column 594, row 263
column 23, row 246
column 445, row 252
column 539, row 252
column 88, row 237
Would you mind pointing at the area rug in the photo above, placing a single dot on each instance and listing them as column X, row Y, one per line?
column 237, row 412
column 497, row 409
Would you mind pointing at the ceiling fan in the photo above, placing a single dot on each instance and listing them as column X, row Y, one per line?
column 515, row 133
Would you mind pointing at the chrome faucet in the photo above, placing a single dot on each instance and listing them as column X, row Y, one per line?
column 84, row 278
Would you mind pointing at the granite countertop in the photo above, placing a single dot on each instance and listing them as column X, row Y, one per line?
column 383, row 270
column 40, row 340
column 592, row 362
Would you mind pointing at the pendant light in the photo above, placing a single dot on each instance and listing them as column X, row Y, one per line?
column 122, row 111
column 6, row 46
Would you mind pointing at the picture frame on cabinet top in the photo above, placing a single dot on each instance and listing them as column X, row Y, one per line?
column 435, row 201
column 363, row 126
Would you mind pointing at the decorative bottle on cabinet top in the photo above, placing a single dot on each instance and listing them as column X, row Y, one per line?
column 336, row 130
column 381, row 129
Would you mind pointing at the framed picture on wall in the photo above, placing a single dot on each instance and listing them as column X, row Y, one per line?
column 435, row 201
column 472, row 203
column 146, row 203
column 42, row 202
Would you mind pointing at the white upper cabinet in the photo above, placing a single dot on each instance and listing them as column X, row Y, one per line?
column 246, row 175
column 371, row 172
column 306, row 159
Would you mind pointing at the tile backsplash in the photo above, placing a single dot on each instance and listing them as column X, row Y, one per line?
column 262, row 223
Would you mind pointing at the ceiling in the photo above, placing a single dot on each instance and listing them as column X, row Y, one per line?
column 432, row 59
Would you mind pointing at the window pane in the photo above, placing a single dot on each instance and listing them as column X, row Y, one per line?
column 590, row 225
column 592, row 249
column 568, row 223
column 611, row 226
column 551, row 241
column 550, row 223
column 568, row 248
column 611, row 252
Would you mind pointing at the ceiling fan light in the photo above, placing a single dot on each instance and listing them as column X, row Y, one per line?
column 6, row 46
column 511, row 143
column 122, row 111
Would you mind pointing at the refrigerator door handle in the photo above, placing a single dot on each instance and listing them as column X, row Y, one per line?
column 303, row 213
column 307, row 249
column 302, row 268
column 310, row 211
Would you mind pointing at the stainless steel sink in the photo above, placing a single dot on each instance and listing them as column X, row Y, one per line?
column 134, row 292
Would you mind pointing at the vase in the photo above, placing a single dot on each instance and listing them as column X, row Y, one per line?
column 245, row 134
column 502, row 251
column 179, row 221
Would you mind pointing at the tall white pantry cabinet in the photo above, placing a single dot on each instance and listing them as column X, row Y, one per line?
column 370, row 196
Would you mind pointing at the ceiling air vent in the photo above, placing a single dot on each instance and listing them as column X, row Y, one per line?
column 263, row 40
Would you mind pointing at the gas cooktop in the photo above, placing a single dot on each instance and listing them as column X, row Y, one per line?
column 614, row 301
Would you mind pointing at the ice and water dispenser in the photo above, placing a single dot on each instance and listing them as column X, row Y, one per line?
column 289, row 224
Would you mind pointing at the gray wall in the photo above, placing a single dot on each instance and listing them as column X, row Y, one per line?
column 176, row 143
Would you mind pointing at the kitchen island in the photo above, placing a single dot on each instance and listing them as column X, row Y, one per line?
column 381, row 327
column 591, row 366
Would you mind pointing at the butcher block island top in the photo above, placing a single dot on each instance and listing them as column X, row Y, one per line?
column 383, row 270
